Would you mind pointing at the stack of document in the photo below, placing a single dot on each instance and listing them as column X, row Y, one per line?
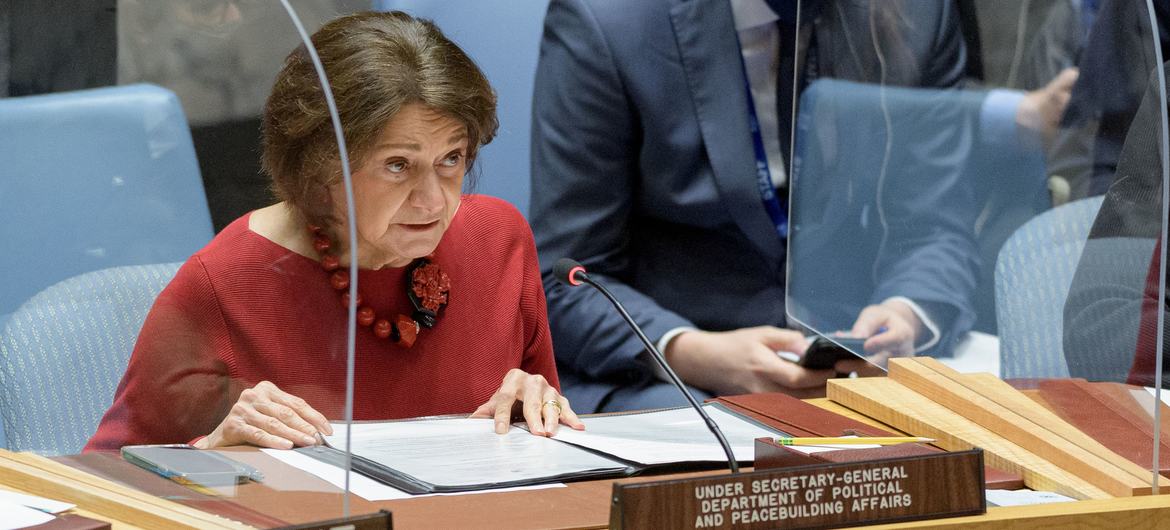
column 464, row 454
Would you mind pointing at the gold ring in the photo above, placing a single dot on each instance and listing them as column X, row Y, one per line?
column 554, row 402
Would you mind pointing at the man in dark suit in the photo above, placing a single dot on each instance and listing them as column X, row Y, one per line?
column 644, row 170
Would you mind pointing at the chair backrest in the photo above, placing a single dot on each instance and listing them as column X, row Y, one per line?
column 1032, row 279
column 63, row 352
column 851, row 137
column 503, row 38
column 94, row 179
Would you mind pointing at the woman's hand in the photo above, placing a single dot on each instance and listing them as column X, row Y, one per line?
column 538, row 400
column 268, row 417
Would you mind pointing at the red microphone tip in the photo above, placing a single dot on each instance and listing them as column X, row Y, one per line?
column 573, row 275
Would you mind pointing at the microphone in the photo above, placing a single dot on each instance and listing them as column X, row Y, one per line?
column 572, row 274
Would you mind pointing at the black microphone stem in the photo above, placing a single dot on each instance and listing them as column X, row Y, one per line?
column 658, row 358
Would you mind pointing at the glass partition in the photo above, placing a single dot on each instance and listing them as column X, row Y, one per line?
column 121, row 315
column 952, row 159
column 951, row 148
column 982, row 182
column 433, row 259
column 181, row 226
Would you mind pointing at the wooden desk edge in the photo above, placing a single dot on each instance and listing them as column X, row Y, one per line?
column 1135, row 512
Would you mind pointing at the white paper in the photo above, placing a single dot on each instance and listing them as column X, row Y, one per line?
column 466, row 451
column 668, row 436
column 13, row 515
column 36, row 503
column 1023, row 497
column 363, row 486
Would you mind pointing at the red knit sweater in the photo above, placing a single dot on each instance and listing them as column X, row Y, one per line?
column 244, row 310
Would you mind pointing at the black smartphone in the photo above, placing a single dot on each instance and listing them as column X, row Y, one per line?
column 823, row 353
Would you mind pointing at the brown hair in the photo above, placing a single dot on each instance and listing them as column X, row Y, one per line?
column 376, row 62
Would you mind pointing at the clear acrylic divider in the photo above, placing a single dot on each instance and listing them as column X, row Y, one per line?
column 984, row 183
column 127, row 323
column 307, row 156
column 412, row 109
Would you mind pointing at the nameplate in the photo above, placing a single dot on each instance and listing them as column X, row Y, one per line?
column 813, row 496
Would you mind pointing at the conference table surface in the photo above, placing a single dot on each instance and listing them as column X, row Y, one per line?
column 290, row 496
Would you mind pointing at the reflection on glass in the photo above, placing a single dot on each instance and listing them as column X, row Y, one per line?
column 1112, row 314
column 877, row 232
column 929, row 154
column 118, row 174
column 882, row 132
column 1112, row 304
column 207, row 340
column 1000, row 168
column 220, row 56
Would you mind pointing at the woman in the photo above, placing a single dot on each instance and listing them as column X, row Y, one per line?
column 247, row 343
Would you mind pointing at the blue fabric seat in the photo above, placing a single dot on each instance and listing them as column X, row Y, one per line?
column 90, row 180
column 94, row 179
column 63, row 352
column 1032, row 278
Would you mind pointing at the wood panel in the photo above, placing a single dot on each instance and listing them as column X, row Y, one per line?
column 1007, row 423
column 837, row 408
column 889, row 402
column 41, row 476
column 114, row 524
column 1131, row 513
column 994, row 388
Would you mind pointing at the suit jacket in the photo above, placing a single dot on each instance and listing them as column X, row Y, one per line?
column 643, row 167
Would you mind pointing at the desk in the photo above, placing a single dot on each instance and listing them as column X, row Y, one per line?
column 289, row 496
column 578, row 505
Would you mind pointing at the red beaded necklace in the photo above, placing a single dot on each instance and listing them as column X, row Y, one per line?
column 427, row 287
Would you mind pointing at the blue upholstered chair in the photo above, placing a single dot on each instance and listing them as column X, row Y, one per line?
column 63, row 352
column 1032, row 278
column 503, row 38
column 94, row 179
column 90, row 180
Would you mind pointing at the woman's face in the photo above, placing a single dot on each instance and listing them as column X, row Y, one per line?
column 408, row 188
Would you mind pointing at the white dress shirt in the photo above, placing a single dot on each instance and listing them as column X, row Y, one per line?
column 759, row 41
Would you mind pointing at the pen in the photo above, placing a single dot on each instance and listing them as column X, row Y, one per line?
column 860, row 440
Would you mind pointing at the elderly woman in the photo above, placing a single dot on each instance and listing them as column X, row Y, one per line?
column 247, row 343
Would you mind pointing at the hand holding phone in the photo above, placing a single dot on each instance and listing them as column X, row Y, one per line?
column 824, row 353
